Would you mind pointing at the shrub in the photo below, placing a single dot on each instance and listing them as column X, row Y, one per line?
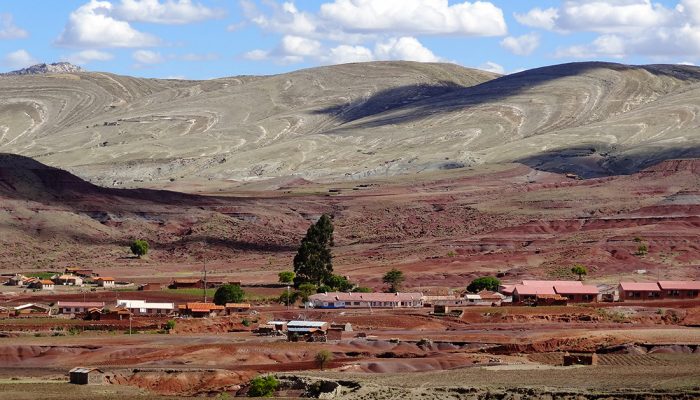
column 139, row 247
column 263, row 386
column 170, row 325
column 228, row 294
column 286, row 276
column 484, row 283
column 394, row 279
column 322, row 358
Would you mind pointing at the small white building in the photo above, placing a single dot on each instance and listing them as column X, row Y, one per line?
column 143, row 307
column 105, row 281
column 70, row 280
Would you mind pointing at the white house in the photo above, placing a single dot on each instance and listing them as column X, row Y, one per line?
column 105, row 281
column 76, row 307
column 142, row 307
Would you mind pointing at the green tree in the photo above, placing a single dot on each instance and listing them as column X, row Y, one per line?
column 305, row 290
column 362, row 289
column 394, row 279
column 170, row 325
column 286, row 276
column 322, row 358
column 228, row 294
column 579, row 270
column 139, row 247
column 314, row 261
column 484, row 283
column 339, row 283
column 263, row 386
column 288, row 298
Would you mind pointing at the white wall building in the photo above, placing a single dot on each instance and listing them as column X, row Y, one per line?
column 142, row 307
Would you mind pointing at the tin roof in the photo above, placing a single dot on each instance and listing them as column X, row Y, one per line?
column 578, row 289
column 237, row 305
column 104, row 278
column 306, row 324
column 145, row 304
column 83, row 370
column 46, row 282
column 524, row 290
column 551, row 283
column 86, row 304
column 679, row 285
column 640, row 286
column 381, row 297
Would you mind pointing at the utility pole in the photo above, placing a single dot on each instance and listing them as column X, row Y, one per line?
column 287, row 297
column 204, row 259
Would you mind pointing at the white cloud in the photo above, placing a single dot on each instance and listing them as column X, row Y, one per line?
column 8, row 29
column 521, row 45
column 299, row 46
column 168, row 12
column 147, row 57
column 692, row 64
column 491, row 66
column 598, row 16
column 92, row 26
column 348, row 54
column 626, row 28
column 539, row 18
column 405, row 48
column 87, row 56
column 431, row 17
column 200, row 57
column 257, row 55
column 285, row 18
column 18, row 59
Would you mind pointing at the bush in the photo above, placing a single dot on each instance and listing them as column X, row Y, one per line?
column 170, row 325
column 286, row 276
column 324, row 289
column 228, row 294
column 306, row 290
column 642, row 250
column 484, row 283
column 139, row 247
column 291, row 297
column 362, row 289
column 245, row 322
column 263, row 386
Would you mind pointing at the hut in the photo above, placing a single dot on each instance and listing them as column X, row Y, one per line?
column 234, row 308
column 105, row 281
column 86, row 376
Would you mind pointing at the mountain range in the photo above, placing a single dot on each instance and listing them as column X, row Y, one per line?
column 351, row 121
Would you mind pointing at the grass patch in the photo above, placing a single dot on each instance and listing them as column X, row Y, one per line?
column 194, row 292
column 41, row 275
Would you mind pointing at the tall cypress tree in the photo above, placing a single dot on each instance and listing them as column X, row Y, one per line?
column 314, row 261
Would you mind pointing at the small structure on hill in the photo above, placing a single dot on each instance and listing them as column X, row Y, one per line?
column 234, row 308
column 307, row 331
column 87, row 376
column 200, row 310
column 32, row 309
column 69, row 280
column 151, row 286
column 105, row 281
column 82, row 272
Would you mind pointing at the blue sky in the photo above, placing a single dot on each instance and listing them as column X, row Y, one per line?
column 214, row 38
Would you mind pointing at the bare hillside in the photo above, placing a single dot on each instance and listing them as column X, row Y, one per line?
column 352, row 120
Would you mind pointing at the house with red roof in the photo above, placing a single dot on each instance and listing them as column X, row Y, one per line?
column 639, row 291
column 577, row 293
column 680, row 290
